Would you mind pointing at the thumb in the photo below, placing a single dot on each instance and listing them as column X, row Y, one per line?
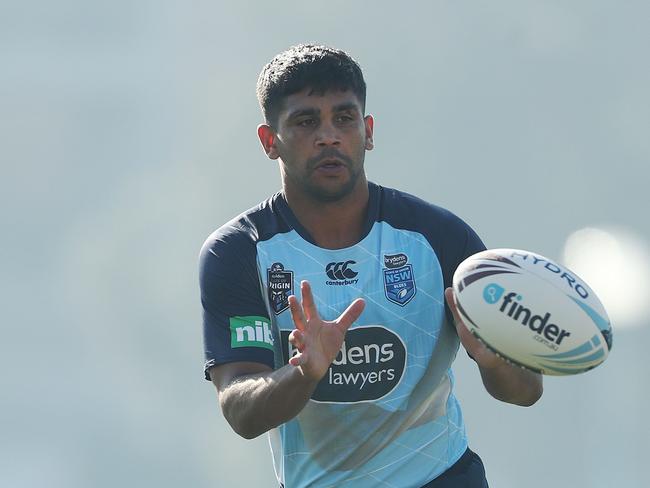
column 461, row 328
column 451, row 302
column 350, row 314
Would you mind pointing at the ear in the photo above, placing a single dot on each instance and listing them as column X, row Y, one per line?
column 369, row 122
column 267, row 138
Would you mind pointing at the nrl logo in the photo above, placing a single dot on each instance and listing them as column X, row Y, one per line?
column 280, row 283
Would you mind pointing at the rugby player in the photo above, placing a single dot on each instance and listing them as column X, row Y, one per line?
column 327, row 314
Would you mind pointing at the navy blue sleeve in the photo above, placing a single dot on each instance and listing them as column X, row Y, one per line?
column 458, row 241
column 236, row 326
column 449, row 236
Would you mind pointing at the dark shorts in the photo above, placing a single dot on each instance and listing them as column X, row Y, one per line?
column 467, row 472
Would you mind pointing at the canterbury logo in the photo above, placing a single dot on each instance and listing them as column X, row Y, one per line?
column 340, row 271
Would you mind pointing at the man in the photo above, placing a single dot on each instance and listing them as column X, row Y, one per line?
column 324, row 307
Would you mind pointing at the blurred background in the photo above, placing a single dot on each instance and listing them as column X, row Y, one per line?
column 128, row 134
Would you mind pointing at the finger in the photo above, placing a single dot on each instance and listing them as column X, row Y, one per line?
column 296, row 313
column 308, row 301
column 294, row 360
column 298, row 359
column 297, row 339
column 461, row 328
column 468, row 339
column 470, row 342
column 350, row 314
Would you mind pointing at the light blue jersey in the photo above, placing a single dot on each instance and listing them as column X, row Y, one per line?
column 384, row 414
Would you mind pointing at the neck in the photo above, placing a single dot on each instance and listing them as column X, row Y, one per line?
column 332, row 225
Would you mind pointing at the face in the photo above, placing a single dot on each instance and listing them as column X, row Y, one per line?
column 320, row 141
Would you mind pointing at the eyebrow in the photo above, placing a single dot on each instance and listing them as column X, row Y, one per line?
column 303, row 111
column 342, row 107
column 346, row 106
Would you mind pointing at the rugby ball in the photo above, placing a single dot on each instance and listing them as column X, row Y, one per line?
column 532, row 312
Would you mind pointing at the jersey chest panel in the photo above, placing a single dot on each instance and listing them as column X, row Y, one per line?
column 387, row 350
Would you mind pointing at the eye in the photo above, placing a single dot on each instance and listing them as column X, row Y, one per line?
column 344, row 118
column 307, row 122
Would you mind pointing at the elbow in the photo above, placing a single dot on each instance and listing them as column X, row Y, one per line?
column 245, row 431
column 241, row 425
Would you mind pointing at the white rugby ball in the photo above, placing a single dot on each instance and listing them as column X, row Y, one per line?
column 532, row 311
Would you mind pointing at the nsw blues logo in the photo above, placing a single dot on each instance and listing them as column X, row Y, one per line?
column 399, row 282
column 280, row 287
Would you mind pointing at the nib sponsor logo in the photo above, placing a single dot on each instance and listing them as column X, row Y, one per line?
column 369, row 366
column 341, row 273
column 250, row 331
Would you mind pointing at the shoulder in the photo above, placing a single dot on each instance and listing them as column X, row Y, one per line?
column 450, row 237
column 405, row 211
column 241, row 234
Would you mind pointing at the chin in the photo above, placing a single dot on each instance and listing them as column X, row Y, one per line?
column 332, row 193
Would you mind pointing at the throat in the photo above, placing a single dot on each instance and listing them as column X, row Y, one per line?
column 337, row 236
column 332, row 225
column 335, row 225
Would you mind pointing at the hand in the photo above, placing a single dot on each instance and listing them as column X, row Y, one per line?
column 318, row 341
column 475, row 348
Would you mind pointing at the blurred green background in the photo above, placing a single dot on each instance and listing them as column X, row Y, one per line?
column 128, row 134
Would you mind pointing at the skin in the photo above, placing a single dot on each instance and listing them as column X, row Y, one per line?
column 320, row 142
column 255, row 398
column 320, row 145
column 505, row 382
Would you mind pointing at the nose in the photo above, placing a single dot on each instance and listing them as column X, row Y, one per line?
column 327, row 135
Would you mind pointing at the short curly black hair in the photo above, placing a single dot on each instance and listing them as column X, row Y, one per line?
column 320, row 68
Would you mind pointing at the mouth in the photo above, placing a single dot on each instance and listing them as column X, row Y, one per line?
column 330, row 163
column 331, row 168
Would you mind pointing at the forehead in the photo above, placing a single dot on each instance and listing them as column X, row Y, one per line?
column 309, row 100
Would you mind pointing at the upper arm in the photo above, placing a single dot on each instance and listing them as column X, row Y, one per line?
column 224, row 375
column 233, row 306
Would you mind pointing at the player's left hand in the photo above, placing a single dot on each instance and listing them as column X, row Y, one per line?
column 475, row 348
column 502, row 380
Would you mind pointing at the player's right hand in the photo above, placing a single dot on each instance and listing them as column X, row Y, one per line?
column 318, row 341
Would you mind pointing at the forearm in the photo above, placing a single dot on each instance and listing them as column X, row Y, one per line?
column 512, row 384
column 256, row 403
